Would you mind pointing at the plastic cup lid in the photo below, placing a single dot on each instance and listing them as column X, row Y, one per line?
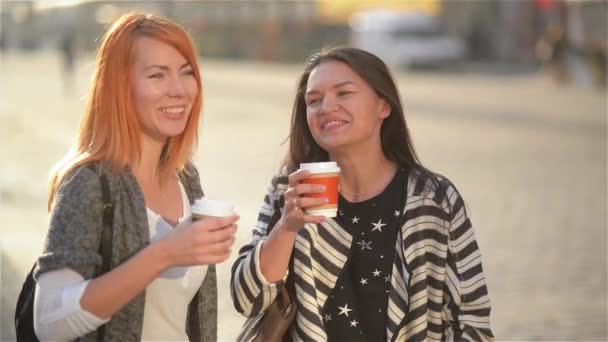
column 321, row 167
column 209, row 207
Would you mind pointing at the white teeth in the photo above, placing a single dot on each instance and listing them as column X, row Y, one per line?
column 173, row 110
column 332, row 123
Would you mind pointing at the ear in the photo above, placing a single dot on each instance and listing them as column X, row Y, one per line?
column 385, row 109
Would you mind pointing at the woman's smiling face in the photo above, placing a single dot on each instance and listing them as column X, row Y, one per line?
column 342, row 110
column 163, row 88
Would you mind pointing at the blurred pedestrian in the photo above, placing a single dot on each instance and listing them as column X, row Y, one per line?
column 67, row 46
column 3, row 41
column 400, row 261
column 552, row 51
column 138, row 132
column 598, row 62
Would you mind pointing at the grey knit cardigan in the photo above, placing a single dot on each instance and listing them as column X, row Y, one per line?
column 74, row 236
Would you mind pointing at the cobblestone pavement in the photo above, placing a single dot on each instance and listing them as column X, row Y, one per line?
column 528, row 157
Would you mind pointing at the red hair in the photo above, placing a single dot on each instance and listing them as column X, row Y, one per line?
column 109, row 130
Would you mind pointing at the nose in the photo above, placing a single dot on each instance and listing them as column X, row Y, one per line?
column 329, row 104
column 176, row 87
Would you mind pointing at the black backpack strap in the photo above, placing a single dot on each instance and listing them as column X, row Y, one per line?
column 106, row 238
column 108, row 221
column 105, row 247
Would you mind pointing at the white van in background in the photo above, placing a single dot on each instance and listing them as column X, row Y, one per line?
column 405, row 39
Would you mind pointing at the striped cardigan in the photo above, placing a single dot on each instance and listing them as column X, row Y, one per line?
column 438, row 289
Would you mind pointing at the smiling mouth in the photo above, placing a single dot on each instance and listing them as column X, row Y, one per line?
column 333, row 124
column 174, row 112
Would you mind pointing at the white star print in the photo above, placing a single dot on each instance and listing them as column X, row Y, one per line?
column 354, row 323
column 378, row 226
column 363, row 281
column 341, row 213
column 344, row 310
column 387, row 278
column 355, row 219
column 397, row 213
column 327, row 317
column 364, row 245
column 376, row 273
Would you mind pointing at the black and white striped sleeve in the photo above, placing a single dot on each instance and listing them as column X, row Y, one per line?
column 466, row 300
column 251, row 293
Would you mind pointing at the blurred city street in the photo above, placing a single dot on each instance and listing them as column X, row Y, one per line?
column 528, row 156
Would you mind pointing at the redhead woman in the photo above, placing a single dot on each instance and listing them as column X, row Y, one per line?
column 400, row 261
column 139, row 131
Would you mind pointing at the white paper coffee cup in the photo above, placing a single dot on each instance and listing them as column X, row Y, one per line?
column 205, row 207
column 327, row 174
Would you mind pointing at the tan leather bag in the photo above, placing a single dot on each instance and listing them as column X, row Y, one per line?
column 277, row 319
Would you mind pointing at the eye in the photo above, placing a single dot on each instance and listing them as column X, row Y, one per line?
column 188, row 72
column 344, row 93
column 312, row 101
column 156, row 76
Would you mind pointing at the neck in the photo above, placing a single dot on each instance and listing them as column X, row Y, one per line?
column 146, row 170
column 365, row 172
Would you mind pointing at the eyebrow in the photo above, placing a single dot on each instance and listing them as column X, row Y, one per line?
column 164, row 67
column 337, row 85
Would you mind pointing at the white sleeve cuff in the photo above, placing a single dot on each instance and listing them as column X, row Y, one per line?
column 80, row 320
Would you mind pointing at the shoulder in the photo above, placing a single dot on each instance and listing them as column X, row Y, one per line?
column 434, row 188
column 279, row 183
column 80, row 185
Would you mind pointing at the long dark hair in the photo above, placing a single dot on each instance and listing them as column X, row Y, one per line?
column 394, row 134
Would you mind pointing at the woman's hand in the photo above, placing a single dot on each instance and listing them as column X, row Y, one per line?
column 204, row 242
column 294, row 218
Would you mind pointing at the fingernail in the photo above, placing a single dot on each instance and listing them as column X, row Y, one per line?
column 321, row 187
column 326, row 200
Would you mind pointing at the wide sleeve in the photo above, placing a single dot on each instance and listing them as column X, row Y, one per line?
column 75, row 226
column 251, row 293
column 466, row 300
column 58, row 315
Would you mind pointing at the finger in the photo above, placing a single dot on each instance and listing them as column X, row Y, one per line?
column 314, row 219
column 224, row 254
column 221, row 257
column 219, row 235
column 216, row 223
column 296, row 177
column 307, row 202
column 218, row 248
column 290, row 194
column 213, row 259
column 291, row 203
column 304, row 188
column 295, row 204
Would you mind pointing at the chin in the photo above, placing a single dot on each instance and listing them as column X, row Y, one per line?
column 332, row 145
column 173, row 131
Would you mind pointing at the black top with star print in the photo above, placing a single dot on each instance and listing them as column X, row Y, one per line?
column 356, row 308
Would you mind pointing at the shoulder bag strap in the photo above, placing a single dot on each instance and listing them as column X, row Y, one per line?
column 105, row 247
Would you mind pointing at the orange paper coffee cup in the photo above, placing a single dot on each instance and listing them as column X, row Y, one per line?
column 328, row 174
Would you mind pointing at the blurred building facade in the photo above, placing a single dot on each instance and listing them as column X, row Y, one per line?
column 278, row 30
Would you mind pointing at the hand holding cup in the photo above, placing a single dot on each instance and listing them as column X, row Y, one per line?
column 312, row 195
column 208, row 240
